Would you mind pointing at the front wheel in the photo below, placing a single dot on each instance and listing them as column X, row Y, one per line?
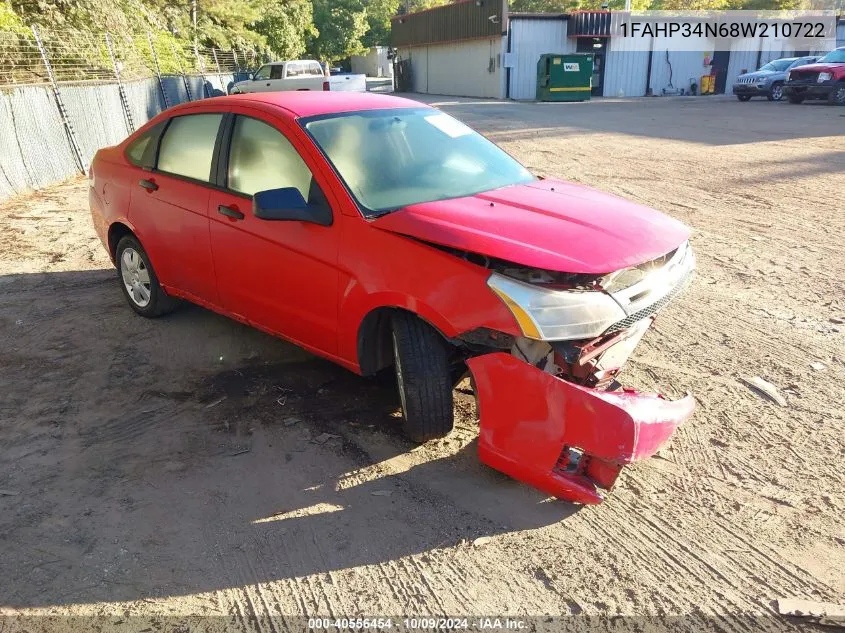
column 744, row 98
column 837, row 96
column 138, row 280
column 776, row 92
column 423, row 378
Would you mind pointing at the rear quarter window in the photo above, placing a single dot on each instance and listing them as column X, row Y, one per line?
column 141, row 151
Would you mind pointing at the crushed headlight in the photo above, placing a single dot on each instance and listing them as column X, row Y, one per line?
column 556, row 315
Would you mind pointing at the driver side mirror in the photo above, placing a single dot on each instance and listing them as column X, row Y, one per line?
column 287, row 203
column 252, row 76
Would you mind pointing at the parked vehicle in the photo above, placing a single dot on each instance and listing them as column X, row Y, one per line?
column 769, row 79
column 822, row 80
column 300, row 74
column 383, row 234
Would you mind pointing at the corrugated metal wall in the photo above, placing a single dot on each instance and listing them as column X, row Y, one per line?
column 472, row 68
column 466, row 19
column 531, row 38
column 741, row 61
column 625, row 70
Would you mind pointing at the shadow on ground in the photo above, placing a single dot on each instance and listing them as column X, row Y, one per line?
column 150, row 458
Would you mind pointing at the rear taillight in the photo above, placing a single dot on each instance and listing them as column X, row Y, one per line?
column 325, row 85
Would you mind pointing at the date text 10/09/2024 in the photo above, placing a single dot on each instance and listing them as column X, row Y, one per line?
column 418, row 624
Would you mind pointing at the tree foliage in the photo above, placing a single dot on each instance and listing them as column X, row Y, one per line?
column 340, row 24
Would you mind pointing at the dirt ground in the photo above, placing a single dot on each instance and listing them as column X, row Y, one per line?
column 193, row 466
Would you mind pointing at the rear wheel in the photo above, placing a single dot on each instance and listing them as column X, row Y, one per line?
column 776, row 92
column 423, row 378
column 795, row 99
column 138, row 280
column 837, row 95
column 744, row 97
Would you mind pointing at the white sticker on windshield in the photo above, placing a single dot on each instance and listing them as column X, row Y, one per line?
column 448, row 125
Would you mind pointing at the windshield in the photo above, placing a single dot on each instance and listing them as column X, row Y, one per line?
column 834, row 57
column 778, row 65
column 389, row 159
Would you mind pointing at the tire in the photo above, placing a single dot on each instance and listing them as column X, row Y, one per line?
column 796, row 99
column 138, row 280
column 837, row 95
column 744, row 98
column 775, row 92
column 423, row 378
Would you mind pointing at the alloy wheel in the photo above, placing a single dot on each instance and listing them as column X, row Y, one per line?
column 135, row 277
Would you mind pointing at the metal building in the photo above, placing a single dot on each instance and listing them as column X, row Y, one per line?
column 619, row 70
column 475, row 48
column 455, row 49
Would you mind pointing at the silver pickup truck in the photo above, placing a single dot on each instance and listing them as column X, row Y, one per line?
column 300, row 74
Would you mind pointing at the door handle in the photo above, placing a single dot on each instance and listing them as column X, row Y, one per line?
column 149, row 185
column 229, row 212
column 268, row 83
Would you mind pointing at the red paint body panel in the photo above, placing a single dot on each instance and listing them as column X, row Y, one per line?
column 546, row 224
column 528, row 416
column 315, row 285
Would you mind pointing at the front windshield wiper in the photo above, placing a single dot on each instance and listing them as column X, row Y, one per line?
column 378, row 214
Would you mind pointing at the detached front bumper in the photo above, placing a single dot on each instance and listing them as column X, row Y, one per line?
column 567, row 440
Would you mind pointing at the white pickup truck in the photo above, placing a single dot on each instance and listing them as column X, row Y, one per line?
column 300, row 74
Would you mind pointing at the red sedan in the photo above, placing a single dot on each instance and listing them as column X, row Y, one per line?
column 381, row 233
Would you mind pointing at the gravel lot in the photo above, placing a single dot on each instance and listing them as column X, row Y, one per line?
column 191, row 465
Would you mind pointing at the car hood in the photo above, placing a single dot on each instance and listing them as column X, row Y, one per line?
column 761, row 74
column 546, row 224
column 818, row 68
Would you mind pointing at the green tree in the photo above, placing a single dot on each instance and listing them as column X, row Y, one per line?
column 340, row 26
column 286, row 25
column 379, row 13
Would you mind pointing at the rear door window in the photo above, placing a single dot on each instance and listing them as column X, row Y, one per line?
column 187, row 147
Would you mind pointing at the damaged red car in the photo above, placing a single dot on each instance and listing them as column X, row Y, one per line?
column 381, row 233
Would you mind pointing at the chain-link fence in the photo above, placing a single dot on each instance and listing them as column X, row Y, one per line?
column 63, row 95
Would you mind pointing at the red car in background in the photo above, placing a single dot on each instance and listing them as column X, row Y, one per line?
column 823, row 80
column 381, row 233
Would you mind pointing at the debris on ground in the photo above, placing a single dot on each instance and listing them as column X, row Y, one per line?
column 381, row 493
column 290, row 421
column 766, row 388
column 817, row 366
column 824, row 613
column 481, row 540
column 9, row 493
column 322, row 438
column 215, row 403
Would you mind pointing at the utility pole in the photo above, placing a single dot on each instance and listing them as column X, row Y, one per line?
column 194, row 21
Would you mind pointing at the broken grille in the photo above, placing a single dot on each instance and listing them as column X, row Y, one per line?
column 648, row 311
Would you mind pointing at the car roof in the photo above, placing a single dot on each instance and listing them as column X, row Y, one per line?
column 306, row 103
column 290, row 60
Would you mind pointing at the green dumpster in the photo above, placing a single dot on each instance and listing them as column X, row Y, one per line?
column 564, row 77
